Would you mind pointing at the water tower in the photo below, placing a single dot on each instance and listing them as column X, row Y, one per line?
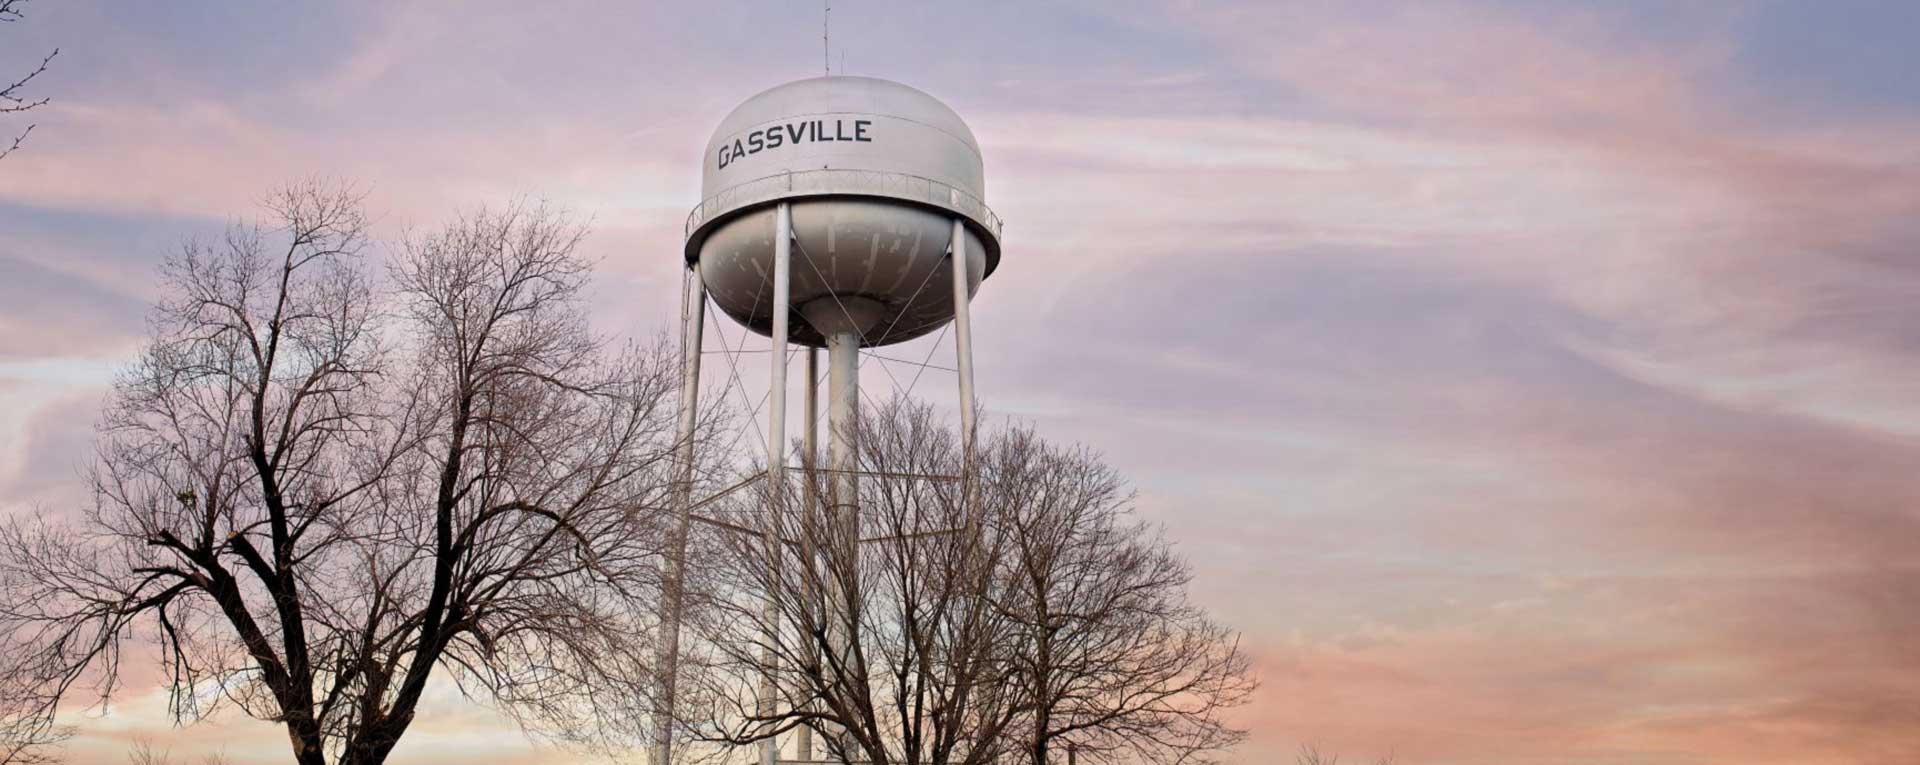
column 838, row 213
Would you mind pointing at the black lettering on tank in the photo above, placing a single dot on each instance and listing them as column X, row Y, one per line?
column 793, row 134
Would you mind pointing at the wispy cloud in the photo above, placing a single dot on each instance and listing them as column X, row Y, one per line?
column 1527, row 380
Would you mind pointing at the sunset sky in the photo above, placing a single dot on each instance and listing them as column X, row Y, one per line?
column 1531, row 383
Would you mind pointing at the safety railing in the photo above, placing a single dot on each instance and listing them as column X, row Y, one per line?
column 828, row 181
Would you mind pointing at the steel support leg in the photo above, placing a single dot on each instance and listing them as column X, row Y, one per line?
column 776, row 454
column 843, row 399
column 667, row 653
column 810, row 453
column 963, row 336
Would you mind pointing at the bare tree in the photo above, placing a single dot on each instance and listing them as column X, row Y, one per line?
column 12, row 98
column 883, row 648
column 1114, row 662
column 28, row 738
column 1311, row 755
column 976, row 621
column 317, row 495
column 143, row 753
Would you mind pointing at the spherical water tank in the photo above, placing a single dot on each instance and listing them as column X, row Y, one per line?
column 874, row 173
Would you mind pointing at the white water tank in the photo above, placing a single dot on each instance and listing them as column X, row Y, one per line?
column 874, row 173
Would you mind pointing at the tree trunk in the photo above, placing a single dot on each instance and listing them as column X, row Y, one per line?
column 1040, row 723
column 305, row 738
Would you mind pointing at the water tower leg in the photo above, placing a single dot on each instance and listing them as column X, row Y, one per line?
column 777, row 388
column 843, row 401
column 963, row 337
column 843, row 398
column 667, row 654
column 810, row 452
column 776, row 449
column 963, row 363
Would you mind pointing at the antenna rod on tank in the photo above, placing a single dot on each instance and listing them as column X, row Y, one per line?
column 826, row 30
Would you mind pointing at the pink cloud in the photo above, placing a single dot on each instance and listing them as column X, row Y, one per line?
column 1587, row 437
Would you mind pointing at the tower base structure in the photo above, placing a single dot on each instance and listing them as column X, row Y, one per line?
column 858, row 206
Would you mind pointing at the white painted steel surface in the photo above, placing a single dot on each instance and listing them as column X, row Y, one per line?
column 874, row 173
column 842, row 123
column 693, row 309
column 776, row 441
column 963, row 339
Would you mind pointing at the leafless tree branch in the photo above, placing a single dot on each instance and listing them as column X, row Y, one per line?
column 1310, row 754
column 12, row 98
column 1005, row 617
column 29, row 739
column 318, row 491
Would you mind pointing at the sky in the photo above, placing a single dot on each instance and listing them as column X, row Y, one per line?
column 1529, row 382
